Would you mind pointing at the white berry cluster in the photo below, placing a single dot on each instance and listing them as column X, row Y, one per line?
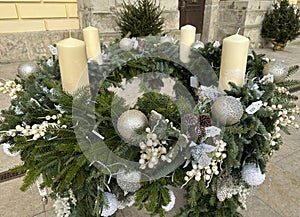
column 62, row 205
column 212, row 169
column 243, row 193
column 282, row 90
column 10, row 88
column 36, row 130
column 152, row 150
column 285, row 119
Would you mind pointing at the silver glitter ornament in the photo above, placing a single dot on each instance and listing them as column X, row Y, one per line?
column 199, row 153
column 111, row 204
column 224, row 188
column 278, row 69
column 252, row 174
column 171, row 204
column 129, row 181
column 126, row 44
column 26, row 69
column 227, row 110
column 130, row 122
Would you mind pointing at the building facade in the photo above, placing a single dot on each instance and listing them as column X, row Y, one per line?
column 28, row 27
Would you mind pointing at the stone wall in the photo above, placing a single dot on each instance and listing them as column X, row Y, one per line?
column 101, row 14
column 221, row 18
column 225, row 17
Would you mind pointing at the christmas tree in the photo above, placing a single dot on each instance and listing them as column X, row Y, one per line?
column 281, row 24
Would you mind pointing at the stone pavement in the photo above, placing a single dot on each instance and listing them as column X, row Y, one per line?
column 279, row 196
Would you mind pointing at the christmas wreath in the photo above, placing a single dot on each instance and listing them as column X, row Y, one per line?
column 98, row 151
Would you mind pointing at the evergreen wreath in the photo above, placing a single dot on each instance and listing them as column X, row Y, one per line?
column 72, row 140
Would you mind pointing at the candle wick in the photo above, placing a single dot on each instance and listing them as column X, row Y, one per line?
column 238, row 31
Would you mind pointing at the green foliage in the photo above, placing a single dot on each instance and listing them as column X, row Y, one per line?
column 152, row 196
column 213, row 55
column 61, row 158
column 140, row 18
column 282, row 23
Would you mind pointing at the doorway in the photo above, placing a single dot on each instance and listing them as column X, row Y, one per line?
column 192, row 12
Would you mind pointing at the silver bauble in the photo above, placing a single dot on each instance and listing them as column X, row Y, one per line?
column 198, row 44
column 26, row 69
column 171, row 204
column 112, row 204
column 126, row 44
column 130, row 122
column 227, row 110
column 166, row 39
column 278, row 69
column 252, row 174
column 129, row 181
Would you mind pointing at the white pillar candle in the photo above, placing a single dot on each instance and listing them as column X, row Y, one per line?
column 73, row 64
column 233, row 61
column 187, row 39
column 92, row 41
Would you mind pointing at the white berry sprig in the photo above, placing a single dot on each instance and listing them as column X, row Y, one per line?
column 212, row 169
column 153, row 150
column 11, row 88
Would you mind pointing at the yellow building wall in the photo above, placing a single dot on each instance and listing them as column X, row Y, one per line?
column 38, row 15
column 293, row 1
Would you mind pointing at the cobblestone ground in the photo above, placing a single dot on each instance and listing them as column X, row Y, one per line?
column 279, row 196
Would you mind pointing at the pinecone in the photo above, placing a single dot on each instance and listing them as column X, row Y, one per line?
column 196, row 124
column 204, row 121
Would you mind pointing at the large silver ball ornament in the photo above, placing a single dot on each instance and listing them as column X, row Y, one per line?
column 278, row 69
column 252, row 174
column 26, row 69
column 227, row 110
column 129, row 181
column 130, row 122
column 126, row 44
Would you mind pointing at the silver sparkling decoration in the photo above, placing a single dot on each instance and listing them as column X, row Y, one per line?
column 171, row 204
column 252, row 174
column 130, row 122
column 198, row 44
column 227, row 110
column 199, row 153
column 126, row 44
column 26, row 69
column 224, row 188
column 129, row 181
column 111, row 205
column 278, row 69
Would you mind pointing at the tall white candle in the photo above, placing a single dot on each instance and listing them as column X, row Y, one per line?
column 233, row 61
column 92, row 41
column 73, row 64
column 187, row 39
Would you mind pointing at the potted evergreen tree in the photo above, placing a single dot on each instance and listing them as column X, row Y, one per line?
column 281, row 24
column 140, row 18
